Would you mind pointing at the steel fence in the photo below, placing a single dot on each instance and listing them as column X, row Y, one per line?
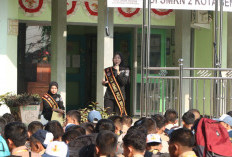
column 182, row 88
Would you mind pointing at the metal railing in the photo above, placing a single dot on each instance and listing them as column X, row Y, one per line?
column 186, row 88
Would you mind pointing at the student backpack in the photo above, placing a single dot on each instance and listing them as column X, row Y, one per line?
column 212, row 139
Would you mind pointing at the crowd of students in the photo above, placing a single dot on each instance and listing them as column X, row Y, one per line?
column 156, row 136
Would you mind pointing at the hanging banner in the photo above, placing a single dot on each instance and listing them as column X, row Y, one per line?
column 172, row 4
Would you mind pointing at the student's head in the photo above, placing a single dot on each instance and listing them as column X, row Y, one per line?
column 140, row 128
column 15, row 134
column 56, row 129
column 33, row 127
column 77, row 128
column 160, row 122
column 89, row 128
column 171, row 116
column 73, row 117
column 148, row 123
column 71, row 135
column 196, row 113
column 181, row 140
column 134, row 143
column 53, row 87
column 188, row 120
column 106, row 143
column 105, row 124
column 226, row 121
column 154, row 142
column 229, row 113
column 2, row 125
column 94, row 116
column 9, row 117
column 117, row 123
column 127, row 120
column 39, row 140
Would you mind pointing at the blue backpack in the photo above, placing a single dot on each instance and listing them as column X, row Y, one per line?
column 4, row 150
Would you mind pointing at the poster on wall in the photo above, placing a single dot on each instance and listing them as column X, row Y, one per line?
column 172, row 4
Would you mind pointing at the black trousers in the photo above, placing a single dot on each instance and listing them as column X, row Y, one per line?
column 112, row 106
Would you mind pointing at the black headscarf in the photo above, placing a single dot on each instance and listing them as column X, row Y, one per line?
column 53, row 83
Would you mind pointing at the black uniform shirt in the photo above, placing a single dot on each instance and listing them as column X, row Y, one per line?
column 122, row 79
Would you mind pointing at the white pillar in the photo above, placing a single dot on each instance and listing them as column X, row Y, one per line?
column 229, row 58
column 8, row 47
column 104, row 46
column 58, row 44
column 182, row 48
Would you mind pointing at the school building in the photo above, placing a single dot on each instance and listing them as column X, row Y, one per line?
column 72, row 41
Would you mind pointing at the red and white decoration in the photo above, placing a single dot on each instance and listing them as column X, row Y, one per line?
column 32, row 7
column 160, row 13
column 91, row 7
column 72, row 6
column 128, row 12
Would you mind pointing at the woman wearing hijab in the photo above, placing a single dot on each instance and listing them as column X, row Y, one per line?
column 52, row 102
column 116, row 78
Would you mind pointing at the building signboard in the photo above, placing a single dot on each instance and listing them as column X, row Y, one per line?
column 172, row 4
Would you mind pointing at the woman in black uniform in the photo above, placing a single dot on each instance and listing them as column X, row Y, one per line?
column 52, row 102
column 116, row 78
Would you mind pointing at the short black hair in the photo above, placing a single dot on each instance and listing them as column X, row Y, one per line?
column 136, row 139
column 140, row 128
column 2, row 125
column 229, row 113
column 183, row 136
column 75, row 115
column 88, row 127
column 127, row 120
column 71, row 135
column 35, row 126
column 105, row 124
column 117, row 120
column 148, row 123
column 55, row 128
column 79, row 128
column 9, row 117
column 107, row 142
column 194, row 110
column 188, row 118
column 17, row 132
column 159, row 119
column 171, row 115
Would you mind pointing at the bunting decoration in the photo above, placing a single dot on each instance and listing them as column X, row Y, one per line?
column 91, row 7
column 129, row 12
column 72, row 6
column 159, row 13
column 32, row 7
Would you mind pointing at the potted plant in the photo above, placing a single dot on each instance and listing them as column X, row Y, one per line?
column 93, row 106
column 24, row 106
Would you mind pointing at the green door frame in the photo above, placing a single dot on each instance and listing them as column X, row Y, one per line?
column 161, row 32
column 80, row 76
